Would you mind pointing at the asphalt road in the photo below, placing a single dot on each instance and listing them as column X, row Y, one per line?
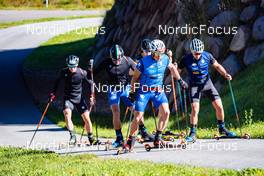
column 18, row 15
column 228, row 153
column 19, row 116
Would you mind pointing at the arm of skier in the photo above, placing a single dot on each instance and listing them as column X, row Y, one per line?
column 222, row 70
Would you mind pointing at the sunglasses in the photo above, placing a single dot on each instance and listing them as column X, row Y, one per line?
column 72, row 67
column 197, row 54
column 143, row 51
column 157, row 53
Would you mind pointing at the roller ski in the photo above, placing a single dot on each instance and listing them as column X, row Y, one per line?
column 170, row 136
column 90, row 142
column 115, row 144
column 126, row 147
column 166, row 145
column 71, row 144
column 226, row 134
column 144, row 136
column 159, row 143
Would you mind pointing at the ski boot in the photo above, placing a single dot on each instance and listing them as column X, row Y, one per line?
column 73, row 140
column 93, row 141
column 158, row 141
column 127, row 147
column 226, row 132
column 191, row 138
column 146, row 137
column 118, row 142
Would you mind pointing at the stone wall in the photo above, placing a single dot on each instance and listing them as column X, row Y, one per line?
column 130, row 21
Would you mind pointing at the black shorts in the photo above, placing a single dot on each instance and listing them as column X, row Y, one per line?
column 81, row 107
column 207, row 88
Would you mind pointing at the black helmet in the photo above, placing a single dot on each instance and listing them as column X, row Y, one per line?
column 145, row 45
column 72, row 61
column 116, row 52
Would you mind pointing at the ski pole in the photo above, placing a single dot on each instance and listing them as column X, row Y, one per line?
column 129, row 123
column 94, row 106
column 154, row 115
column 185, row 109
column 40, row 121
column 125, row 114
column 175, row 102
column 181, row 103
column 234, row 105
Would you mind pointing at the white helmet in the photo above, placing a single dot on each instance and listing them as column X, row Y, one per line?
column 197, row 46
column 157, row 46
column 72, row 61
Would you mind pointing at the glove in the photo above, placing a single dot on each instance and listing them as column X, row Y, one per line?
column 52, row 97
column 183, row 83
column 92, row 100
column 228, row 77
column 132, row 96
column 169, row 53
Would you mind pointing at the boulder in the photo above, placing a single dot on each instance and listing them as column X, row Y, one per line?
column 258, row 29
column 247, row 1
column 254, row 54
column 215, row 46
column 225, row 19
column 213, row 8
column 232, row 65
column 262, row 4
column 186, row 46
column 248, row 13
column 240, row 39
column 179, row 50
column 100, row 41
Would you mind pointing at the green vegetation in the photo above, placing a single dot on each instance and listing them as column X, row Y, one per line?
column 16, row 23
column 51, row 54
column 55, row 4
column 31, row 162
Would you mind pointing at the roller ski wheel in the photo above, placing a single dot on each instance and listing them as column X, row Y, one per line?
column 81, row 143
column 147, row 147
column 107, row 145
column 246, row 136
column 184, row 146
column 217, row 137
column 123, row 149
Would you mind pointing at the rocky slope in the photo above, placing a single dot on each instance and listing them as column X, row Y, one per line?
column 238, row 43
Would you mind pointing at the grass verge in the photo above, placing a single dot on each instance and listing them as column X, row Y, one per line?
column 21, row 162
column 16, row 23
